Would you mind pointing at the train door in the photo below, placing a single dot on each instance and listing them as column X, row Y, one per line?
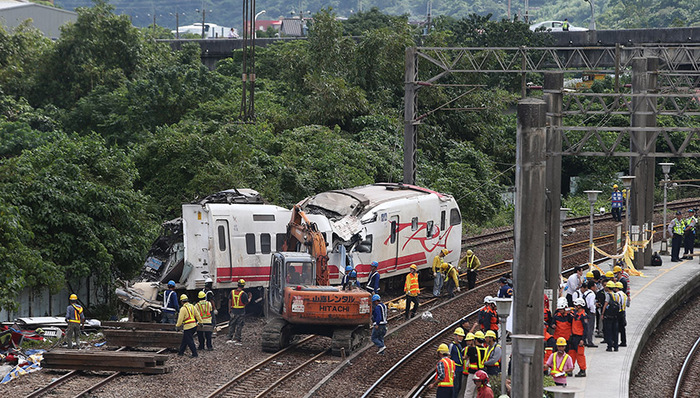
column 222, row 248
column 394, row 241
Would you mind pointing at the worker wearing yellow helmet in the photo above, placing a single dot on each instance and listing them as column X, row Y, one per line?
column 559, row 363
column 610, row 313
column 472, row 263
column 623, row 301
column 472, row 353
column 452, row 276
column 75, row 318
column 492, row 361
column 438, row 274
column 238, row 300
column 457, row 356
column 188, row 319
column 204, row 331
column 411, row 289
column 444, row 373
column 617, row 201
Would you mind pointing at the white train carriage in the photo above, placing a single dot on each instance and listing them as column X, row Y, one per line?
column 394, row 224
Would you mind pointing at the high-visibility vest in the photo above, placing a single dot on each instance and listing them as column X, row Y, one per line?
column 679, row 227
column 691, row 221
column 236, row 301
column 460, row 358
column 470, row 261
column 204, row 308
column 78, row 310
column 448, row 381
column 558, row 369
column 489, row 351
column 494, row 319
column 411, row 286
column 481, row 357
column 190, row 314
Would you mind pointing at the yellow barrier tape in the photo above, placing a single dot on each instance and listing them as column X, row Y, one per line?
column 627, row 255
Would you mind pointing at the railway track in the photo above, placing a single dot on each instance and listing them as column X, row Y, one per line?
column 688, row 381
column 507, row 234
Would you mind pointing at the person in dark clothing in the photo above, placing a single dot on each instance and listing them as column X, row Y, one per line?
column 677, row 230
column 373, row 279
column 379, row 321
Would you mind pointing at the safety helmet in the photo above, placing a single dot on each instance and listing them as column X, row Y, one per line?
column 183, row 297
column 609, row 274
column 444, row 266
column 201, row 294
column 73, row 297
column 445, row 252
column 376, row 297
column 589, row 275
column 348, row 268
column 579, row 301
column 617, row 269
column 561, row 341
column 374, row 264
column 614, row 185
column 503, row 279
column 679, row 213
column 610, row 284
column 479, row 335
column 208, row 280
column 490, row 333
column 562, row 303
column 241, row 282
column 442, row 349
column 171, row 283
column 619, row 285
column 353, row 274
column 480, row 375
column 691, row 211
column 488, row 300
column 470, row 336
column 469, row 252
column 459, row 332
column 413, row 266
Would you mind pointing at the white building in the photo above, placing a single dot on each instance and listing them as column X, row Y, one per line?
column 211, row 31
column 47, row 19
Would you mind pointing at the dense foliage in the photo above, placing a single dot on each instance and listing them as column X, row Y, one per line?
column 105, row 132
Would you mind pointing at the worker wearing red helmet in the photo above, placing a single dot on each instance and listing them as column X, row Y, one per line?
column 483, row 390
column 444, row 373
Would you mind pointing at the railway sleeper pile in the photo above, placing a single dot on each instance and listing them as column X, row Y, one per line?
column 142, row 338
column 117, row 361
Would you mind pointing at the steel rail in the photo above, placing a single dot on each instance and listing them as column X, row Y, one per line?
column 251, row 369
column 54, row 383
column 292, row 373
column 684, row 369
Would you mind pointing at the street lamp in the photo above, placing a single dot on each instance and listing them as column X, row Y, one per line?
column 591, row 25
column 503, row 307
column 526, row 344
column 592, row 197
column 255, row 28
column 627, row 182
column 666, row 168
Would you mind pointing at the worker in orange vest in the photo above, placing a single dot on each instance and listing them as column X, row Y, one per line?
column 205, row 310
column 188, row 319
column 237, row 303
column 411, row 289
column 579, row 327
column 444, row 373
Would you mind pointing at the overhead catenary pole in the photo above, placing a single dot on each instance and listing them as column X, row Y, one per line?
column 409, row 114
column 528, row 259
column 553, row 94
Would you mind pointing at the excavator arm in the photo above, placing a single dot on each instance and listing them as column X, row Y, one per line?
column 303, row 233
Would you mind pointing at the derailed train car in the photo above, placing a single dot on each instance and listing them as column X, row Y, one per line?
column 232, row 234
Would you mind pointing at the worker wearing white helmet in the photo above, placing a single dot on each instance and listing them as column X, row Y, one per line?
column 472, row 263
column 211, row 298
column 579, row 327
column 488, row 317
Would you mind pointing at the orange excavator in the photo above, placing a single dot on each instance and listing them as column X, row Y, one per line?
column 300, row 300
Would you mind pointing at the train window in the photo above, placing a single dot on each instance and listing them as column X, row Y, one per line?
column 250, row 243
column 414, row 224
column 263, row 217
column 222, row 238
column 279, row 241
column 442, row 220
column 366, row 245
column 265, row 244
column 429, row 229
column 393, row 231
column 455, row 218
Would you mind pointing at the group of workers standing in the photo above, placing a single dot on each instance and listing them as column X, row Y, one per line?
column 682, row 231
column 200, row 318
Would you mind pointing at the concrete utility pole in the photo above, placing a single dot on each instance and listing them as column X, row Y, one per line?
column 528, row 259
column 553, row 86
column 409, row 114
column 644, row 81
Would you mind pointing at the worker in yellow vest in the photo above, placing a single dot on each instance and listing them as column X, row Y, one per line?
column 444, row 373
column 204, row 331
column 560, row 363
column 75, row 319
column 237, row 302
column 188, row 319
column 472, row 262
column 411, row 289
